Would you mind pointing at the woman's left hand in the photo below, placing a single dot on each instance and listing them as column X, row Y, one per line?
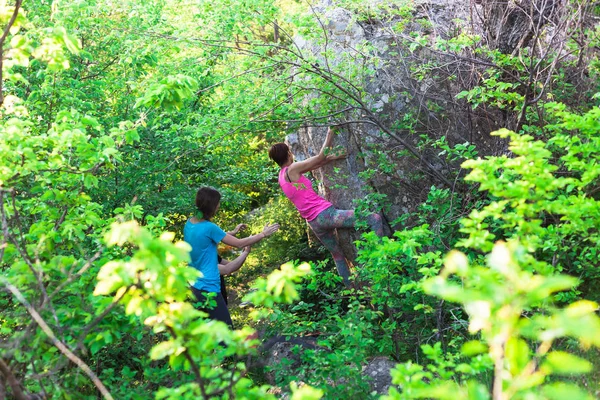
column 238, row 228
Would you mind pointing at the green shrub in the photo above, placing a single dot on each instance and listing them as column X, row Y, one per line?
column 518, row 325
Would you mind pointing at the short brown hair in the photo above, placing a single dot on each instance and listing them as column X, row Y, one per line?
column 207, row 201
column 279, row 153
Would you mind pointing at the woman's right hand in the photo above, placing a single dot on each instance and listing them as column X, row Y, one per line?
column 336, row 153
column 268, row 230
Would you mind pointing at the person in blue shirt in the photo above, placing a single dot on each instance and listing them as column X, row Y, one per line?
column 204, row 236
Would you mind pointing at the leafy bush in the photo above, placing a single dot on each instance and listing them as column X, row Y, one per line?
column 544, row 195
column 510, row 308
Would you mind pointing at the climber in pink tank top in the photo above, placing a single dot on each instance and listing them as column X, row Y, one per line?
column 320, row 214
column 302, row 195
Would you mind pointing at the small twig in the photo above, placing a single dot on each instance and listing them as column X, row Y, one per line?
column 324, row 35
column 62, row 218
column 35, row 372
column 71, row 278
column 305, row 121
column 193, row 365
column 11, row 22
column 249, row 71
column 98, row 319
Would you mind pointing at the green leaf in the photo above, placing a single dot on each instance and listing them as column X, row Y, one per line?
column 473, row 347
column 517, row 355
column 162, row 350
column 477, row 391
column 562, row 363
column 306, row 392
column 565, row 391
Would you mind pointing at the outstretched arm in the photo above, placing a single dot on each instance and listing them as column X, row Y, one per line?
column 296, row 169
column 227, row 267
column 250, row 240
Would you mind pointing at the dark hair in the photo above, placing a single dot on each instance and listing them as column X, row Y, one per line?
column 207, row 200
column 279, row 153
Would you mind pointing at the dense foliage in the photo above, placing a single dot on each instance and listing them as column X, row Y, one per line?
column 114, row 113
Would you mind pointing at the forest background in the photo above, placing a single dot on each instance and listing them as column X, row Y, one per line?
column 115, row 112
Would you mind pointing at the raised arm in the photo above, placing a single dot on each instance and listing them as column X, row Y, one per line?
column 228, row 267
column 311, row 163
column 250, row 240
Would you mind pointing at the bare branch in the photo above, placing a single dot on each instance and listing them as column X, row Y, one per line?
column 249, row 71
column 4, row 225
column 306, row 121
column 13, row 382
column 57, row 343
column 325, row 35
column 98, row 319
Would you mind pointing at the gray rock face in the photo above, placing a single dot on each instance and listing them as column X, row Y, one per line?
column 378, row 370
column 406, row 115
column 284, row 356
column 386, row 95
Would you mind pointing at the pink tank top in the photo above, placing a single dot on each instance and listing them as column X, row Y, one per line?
column 303, row 196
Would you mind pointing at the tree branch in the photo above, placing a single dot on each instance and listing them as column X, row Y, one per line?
column 57, row 343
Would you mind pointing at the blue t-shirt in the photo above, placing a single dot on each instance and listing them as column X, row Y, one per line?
column 203, row 237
